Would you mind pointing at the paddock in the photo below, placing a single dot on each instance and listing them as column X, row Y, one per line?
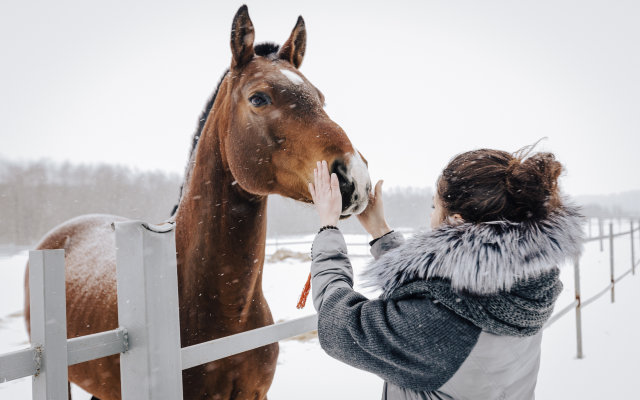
column 144, row 252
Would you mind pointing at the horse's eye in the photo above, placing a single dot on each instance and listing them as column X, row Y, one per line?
column 259, row 100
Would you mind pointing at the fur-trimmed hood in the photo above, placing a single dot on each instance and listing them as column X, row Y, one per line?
column 482, row 258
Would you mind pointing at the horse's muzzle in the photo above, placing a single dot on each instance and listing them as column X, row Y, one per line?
column 355, row 183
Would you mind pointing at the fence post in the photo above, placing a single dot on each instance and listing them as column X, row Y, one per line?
column 633, row 252
column 49, row 323
column 601, row 233
column 576, row 284
column 147, row 272
column 613, row 278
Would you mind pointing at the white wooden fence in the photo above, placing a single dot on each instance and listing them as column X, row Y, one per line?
column 148, row 340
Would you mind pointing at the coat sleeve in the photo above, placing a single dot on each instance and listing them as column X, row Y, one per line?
column 412, row 342
column 330, row 251
column 385, row 243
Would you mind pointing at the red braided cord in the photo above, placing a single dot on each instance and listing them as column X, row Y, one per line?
column 305, row 293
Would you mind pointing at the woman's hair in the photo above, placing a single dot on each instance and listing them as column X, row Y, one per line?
column 489, row 185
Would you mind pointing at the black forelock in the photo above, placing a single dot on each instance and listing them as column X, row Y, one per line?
column 265, row 49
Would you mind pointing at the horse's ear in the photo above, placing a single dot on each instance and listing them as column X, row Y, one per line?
column 293, row 49
column 242, row 36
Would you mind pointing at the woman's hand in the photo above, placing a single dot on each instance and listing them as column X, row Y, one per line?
column 325, row 192
column 372, row 218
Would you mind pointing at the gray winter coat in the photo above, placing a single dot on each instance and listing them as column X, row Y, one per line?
column 462, row 308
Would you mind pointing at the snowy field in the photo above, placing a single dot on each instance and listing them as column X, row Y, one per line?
column 611, row 345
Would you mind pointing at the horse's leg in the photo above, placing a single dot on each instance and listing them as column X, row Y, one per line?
column 69, row 386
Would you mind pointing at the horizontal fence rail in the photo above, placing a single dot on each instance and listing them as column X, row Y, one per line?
column 227, row 346
column 43, row 361
column 98, row 345
column 23, row 363
column 558, row 314
column 18, row 364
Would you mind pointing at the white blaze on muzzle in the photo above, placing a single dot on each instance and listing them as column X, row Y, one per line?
column 359, row 174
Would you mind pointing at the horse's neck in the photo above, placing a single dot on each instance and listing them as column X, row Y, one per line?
column 220, row 238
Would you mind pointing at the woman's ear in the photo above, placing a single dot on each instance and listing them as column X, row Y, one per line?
column 455, row 219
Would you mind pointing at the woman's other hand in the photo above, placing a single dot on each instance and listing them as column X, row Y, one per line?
column 325, row 192
column 372, row 218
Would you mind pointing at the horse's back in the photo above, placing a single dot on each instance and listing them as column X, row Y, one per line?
column 90, row 268
column 89, row 245
column 84, row 233
column 81, row 230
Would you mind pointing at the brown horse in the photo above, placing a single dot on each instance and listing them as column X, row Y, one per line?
column 261, row 133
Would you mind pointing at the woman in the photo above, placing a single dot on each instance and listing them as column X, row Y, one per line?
column 462, row 306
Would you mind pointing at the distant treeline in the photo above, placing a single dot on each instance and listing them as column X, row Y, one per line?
column 36, row 196
column 619, row 205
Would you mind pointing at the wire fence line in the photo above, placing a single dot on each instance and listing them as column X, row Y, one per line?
column 146, row 269
column 579, row 304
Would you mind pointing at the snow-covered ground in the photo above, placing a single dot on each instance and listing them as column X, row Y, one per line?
column 611, row 345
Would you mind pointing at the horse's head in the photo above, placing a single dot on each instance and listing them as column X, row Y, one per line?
column 278, row 128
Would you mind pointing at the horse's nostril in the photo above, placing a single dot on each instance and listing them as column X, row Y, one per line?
column 347, row 186
column 339, row 168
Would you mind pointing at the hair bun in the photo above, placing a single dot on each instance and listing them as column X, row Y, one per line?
column 493, row 185
column 532, row 184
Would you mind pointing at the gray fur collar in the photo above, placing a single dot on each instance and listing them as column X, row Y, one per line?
column 483, row 258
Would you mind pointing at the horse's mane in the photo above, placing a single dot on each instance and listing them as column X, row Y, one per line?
column 264, row 50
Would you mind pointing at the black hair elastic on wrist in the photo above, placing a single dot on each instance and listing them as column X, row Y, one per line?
column 376, row 239
column 324, row 228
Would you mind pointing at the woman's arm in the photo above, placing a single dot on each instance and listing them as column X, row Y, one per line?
column 385, row 243
column 329, row 251
column 374, row 222
column 412, row 342
column 372, row 218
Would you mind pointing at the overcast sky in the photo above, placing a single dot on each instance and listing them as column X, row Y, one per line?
column 412, row 83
